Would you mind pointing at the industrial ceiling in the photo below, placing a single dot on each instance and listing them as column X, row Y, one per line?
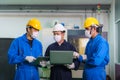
column 53, row 2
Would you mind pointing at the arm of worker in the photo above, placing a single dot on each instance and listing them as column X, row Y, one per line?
column 47, row 52
column 30, row 59
column 101, row 55
column 79, row 57
column 77, row 60
column 76, row 63
column 13, row 56
column 46, row 64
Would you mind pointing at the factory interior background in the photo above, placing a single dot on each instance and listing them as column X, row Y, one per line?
column 15, row 14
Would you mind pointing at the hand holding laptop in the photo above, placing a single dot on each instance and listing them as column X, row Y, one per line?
column 71, row 66
column 43, row 63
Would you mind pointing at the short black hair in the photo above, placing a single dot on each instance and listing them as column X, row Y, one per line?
column 98, row 29
column 60, row 31
column 63, row 31
column 28, row 27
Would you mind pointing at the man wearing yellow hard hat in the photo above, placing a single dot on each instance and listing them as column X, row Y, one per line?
column 24, row 50
column 96, row 53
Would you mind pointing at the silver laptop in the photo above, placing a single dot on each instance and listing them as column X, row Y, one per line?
column 61, row 57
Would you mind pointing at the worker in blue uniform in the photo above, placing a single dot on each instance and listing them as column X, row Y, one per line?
column 24, row 50
column 96, row 53
column 61, row 72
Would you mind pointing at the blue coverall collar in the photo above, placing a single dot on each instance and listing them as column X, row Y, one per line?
column 95, row 37
column 25, row 37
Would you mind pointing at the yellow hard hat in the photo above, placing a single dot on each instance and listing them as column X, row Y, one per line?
column 90, row 21
column 35, row 23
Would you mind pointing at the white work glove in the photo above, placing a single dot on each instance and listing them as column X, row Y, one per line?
column 84, row 57
column 30, row 58
column 71, row 66
column 76, row 55
column 43, row 63
column 49, row 65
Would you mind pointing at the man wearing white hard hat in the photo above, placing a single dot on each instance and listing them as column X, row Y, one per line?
column 61, row 72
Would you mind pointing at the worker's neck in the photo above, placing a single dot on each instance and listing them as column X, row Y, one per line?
column 29, row 37
column 61, row 42
column 95, row 35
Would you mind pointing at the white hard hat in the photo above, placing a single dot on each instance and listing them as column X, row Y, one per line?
column 59, row 27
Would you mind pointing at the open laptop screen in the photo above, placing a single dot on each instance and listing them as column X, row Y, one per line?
column 61, row 57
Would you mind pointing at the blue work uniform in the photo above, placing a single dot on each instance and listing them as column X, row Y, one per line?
column 61, row 72
column 19, row 49
column 97, row 51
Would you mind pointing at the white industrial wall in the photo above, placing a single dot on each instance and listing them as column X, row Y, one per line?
column 13, row 25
